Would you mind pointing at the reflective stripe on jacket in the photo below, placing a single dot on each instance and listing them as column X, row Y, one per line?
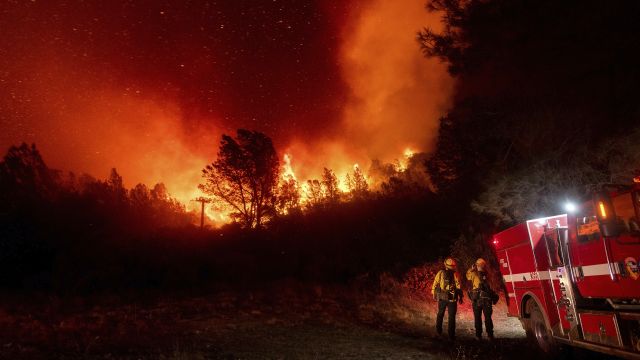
column 482, row 288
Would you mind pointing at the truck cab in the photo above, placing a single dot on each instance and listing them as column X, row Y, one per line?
column 573, row 278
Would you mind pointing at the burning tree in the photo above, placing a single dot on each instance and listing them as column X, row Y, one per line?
column 330, row 186
column 357, row 183
column 244, row 177
column 313, row 192
column 288, row 196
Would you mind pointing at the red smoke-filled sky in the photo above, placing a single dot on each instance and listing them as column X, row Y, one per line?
column 149, row 86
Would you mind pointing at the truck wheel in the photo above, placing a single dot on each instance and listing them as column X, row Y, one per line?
column 538, row 332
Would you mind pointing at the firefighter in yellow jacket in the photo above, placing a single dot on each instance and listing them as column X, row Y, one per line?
column 446, row 290
column 482, row 297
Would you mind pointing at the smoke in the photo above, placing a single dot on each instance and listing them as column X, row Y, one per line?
column 82, row 122
column 397, row 95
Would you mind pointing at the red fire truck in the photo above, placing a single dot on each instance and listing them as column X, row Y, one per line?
column 573, row 279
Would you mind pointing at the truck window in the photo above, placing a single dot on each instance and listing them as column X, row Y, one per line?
column 588, row 228
column 625, row 212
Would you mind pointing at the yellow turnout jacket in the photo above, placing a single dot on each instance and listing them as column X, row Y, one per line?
column 474, row 278
column 439, row 281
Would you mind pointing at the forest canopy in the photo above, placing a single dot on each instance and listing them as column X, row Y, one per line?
column 546, row 102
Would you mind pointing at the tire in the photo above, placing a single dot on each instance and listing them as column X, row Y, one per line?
column 526, row 325
column 538, row 332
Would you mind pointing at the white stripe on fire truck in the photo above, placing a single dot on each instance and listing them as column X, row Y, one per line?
column 528, row 276
column 589, row 270
column 596, row 270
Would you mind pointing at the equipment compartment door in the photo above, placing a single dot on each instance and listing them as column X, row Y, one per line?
column 505, row 270
column 557, row 244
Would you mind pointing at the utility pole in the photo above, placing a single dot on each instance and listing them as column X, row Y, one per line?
column 202, row 201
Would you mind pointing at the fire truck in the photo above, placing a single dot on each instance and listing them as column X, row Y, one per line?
column 573, row 279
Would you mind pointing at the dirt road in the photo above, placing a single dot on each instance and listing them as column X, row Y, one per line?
column 304, row 335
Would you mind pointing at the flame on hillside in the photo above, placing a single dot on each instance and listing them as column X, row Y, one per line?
column 403, row 163
column 217, row 214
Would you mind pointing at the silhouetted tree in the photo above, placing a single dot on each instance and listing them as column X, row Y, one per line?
column 62, row 231
column 394, row 187
column 416, row 172
column 244, row 177
column 544, row 187
column 539, row 96
column 314, row 192
column 401, row 178
column 159, row 192
column 532, row 84
column 24, row 174
column 288, row 199
column 357, row 183
column 473, row 141
column 140, row 196
column 381, row 171
column 330, row 189
column 116, row 186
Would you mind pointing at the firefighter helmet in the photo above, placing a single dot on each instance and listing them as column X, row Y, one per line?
column 450, row 263
column 481, row 263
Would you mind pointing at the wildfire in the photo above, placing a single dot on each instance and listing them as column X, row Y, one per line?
column 287, row 170
column 214, row 215
column 408, row 153
column 217, row 215
column 289, row 175
column 151, row 136
column 342, row 185
column 404, row 162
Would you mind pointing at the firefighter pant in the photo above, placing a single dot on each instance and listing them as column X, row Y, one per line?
column 452, row 308
column 479, row 307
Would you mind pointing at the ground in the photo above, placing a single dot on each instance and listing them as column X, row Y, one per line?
column 283, row 321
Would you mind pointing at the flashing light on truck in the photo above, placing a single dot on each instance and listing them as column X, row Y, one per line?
column 570, row 207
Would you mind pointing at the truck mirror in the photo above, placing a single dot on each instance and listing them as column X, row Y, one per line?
column 563, row 240
column 606, row 215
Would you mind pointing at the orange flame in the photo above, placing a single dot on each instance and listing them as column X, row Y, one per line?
column 287, row 170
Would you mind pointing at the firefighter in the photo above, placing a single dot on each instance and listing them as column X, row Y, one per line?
column 446, row 290
column 482, row 297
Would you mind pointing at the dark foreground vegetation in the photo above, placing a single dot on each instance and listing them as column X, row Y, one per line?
column 91, row 236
